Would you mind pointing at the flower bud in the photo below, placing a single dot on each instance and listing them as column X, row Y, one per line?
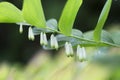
column 84, row 53
column 81, row 54
column 56, row 43
column 21, row 28
column 45, row 39
column 31, row 34
column 68, row 49
column 53, row 42
column 41, row 38
column 71, row 49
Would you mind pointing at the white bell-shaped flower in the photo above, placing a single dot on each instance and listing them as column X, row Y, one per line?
column 30, row 34
column 53, row 42
column 41, row 38
column 56, row 43
column 81, row 53
column 84, row 53
column 68, row 49
column 21, row 28
column 45, row 42
column 71, row 49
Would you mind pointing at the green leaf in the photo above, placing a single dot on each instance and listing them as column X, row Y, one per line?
column 51, row 27
column 106, row 39
column 9, row 13
column 68, row 16
column 116, row 37
column 86, row 39
column 77, row 33
column 102, row 20
column 105, row 36
column 52, row 24
column 33, row 13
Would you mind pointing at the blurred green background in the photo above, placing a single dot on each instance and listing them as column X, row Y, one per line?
column 38, row 64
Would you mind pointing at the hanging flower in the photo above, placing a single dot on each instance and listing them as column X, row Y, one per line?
column 21, row 28
column 53, row 42
column 30, row 34
column 81, row 53
column 68, row 49
column 56, row 43
column 43, row 39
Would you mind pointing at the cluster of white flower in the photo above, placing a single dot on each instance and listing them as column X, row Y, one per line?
column 43, row 39
column 80, row 52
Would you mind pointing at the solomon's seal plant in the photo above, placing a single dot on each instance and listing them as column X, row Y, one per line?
column 62, row 32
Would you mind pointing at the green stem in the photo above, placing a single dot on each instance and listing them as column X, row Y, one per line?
column 83, row 39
